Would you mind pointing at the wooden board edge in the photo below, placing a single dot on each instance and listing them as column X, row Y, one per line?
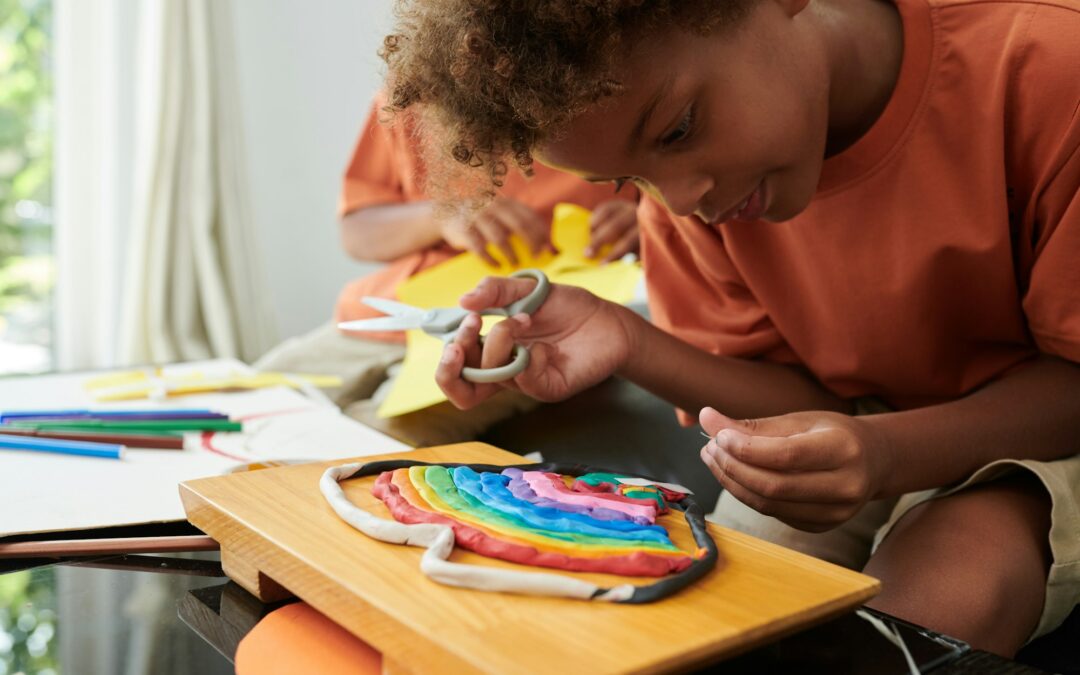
column 691, row 661
column 409, row 649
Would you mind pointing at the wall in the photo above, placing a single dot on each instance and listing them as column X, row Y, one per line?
column 307, row 71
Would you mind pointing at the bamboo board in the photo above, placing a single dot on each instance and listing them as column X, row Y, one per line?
column 279, row 537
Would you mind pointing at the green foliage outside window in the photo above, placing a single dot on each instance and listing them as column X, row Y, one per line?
column 26, row 270
column 28, row 640
column 27, row 603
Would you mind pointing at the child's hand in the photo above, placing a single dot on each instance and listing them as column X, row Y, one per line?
column 613, row 222
column 575, row 339
column 812, row 470
column 494, row 224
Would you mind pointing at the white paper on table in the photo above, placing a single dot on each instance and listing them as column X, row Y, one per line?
column 45, row 493
column 317, row 433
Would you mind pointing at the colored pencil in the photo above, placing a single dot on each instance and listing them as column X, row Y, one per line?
column 84, row 547
column 80, row 448
column 146, row 426
column 149, row 414
column 142, row 441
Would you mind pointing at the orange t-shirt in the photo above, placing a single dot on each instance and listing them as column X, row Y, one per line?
column 941, row 249
column 386, row 169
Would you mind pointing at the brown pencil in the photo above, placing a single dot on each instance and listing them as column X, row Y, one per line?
column 143, row 441
column 89, row 547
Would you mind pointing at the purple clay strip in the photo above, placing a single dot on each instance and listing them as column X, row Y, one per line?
column 521, row 489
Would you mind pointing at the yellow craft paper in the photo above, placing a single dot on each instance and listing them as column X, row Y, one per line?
column 443, row 285
column 120, row 378
column 134, row 385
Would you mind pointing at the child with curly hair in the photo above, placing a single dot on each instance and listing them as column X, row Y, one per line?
column 860, row 241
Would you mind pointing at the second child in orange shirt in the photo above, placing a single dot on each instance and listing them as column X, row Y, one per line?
column 387, row 216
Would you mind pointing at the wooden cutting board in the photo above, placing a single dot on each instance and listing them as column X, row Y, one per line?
column 279, row 537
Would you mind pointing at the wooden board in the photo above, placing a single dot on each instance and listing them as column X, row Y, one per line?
column 278, row 536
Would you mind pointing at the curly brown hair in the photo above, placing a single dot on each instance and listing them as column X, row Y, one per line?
column 498, row 77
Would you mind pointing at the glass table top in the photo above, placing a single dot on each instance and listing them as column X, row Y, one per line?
column 178, row 613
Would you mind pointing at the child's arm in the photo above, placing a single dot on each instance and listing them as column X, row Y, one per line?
column 815, row 470
column 383, row 215
column 577, row 340
column 386, row 232
column 383, row 219
column 1033, row 412
column 691, row 378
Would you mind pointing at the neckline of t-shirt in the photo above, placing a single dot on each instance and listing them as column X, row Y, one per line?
column 885, row 136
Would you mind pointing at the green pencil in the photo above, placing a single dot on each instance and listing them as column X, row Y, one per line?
column 146, row 426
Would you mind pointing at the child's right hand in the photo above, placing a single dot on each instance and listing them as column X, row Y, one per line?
column 494, row 224
column 575, row 338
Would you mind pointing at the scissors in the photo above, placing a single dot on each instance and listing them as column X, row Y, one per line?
column 444, row 322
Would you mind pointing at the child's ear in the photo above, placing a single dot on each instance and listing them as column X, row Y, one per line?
column 793, row 7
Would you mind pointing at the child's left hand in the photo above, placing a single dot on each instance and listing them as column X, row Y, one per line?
column 811, row 470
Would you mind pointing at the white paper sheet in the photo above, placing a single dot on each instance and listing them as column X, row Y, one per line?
column 40, row 493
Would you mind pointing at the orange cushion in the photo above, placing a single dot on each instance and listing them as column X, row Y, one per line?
column 299, row 639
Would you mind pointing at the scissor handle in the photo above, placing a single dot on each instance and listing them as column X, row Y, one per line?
column 502, row 373
column 529, row 304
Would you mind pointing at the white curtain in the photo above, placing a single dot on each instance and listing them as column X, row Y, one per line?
column 94, row 100
column 192, row 284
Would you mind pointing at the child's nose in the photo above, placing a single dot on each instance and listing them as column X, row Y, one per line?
column 684, row 194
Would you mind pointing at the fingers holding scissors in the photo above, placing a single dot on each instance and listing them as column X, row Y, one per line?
column 497, row 292
column 574, row 341
column 498, row 345
column 467, row 349
column 468, row 338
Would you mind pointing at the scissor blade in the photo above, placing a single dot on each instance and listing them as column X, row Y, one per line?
column 391, row 307
column 383, row 323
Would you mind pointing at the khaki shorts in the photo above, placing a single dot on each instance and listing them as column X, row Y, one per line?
column 1061, row 479
column 851, row 544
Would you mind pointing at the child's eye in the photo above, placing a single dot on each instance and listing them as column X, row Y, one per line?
column 686, row 125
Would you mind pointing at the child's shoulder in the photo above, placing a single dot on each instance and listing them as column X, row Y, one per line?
column 1068, row 6
column 1043, row 20
column 1029, row 50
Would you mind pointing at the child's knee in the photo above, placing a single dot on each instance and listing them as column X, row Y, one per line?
column 972, row 565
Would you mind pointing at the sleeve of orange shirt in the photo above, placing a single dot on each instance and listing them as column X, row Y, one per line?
column 1047, row 95
column 697, row 294
column 374, row 175
column 1052, row 301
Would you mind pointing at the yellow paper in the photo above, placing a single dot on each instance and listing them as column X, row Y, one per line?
column 134, row 385
column 122, row 378
column 442, row 286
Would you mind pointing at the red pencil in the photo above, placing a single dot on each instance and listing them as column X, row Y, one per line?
column 130, row 440
column 90, row 547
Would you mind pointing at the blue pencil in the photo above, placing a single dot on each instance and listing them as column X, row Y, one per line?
column 83, row 449
column 191, row 413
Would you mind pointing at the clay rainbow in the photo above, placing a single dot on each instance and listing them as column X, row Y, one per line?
column 534, row 515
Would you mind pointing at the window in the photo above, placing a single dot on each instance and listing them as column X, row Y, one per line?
column 26, row 266
column 28, row 622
